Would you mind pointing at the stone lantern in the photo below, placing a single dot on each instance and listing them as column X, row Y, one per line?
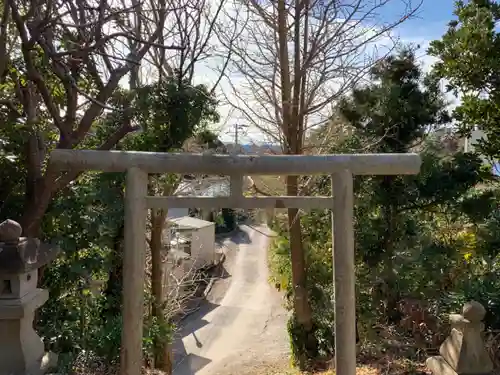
column 21, row 349
column 464, row 351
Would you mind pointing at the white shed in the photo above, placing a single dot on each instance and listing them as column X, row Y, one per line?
column 176, row 213
column 195, row 237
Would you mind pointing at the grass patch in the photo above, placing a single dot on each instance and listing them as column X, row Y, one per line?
column 278, row 263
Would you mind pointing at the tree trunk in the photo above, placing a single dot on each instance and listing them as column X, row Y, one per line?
column 162, row 357
column 38, row 191
column 156, row 263
column 301, row 304
column 34, row 211
column 39, row 187
column 301, row 301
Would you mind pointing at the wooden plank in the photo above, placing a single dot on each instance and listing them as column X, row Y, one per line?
column 133, row 271
column 344, row 275
column 305, row 203
column 118, row 161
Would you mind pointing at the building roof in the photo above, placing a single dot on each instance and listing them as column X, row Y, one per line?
column 188, row 222
column 176, row 213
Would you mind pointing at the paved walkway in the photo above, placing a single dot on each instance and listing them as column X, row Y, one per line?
column 243, row 323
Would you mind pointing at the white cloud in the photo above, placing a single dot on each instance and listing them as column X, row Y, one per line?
column 246, row 95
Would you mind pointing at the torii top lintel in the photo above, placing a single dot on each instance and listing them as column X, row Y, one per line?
column 154, row 162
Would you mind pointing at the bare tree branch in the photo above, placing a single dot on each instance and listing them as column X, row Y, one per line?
column 296, row 59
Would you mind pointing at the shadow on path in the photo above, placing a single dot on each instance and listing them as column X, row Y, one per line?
column 191, row 364
column 194, row 322
column 241, row 238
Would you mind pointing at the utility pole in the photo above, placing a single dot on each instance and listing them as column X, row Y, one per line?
column 237, row 128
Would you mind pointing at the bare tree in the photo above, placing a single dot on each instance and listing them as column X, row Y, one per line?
column 294, row 60
column 64, row 62
column 190, row 23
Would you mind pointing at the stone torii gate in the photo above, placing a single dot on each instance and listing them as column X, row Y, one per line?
column 139, row 164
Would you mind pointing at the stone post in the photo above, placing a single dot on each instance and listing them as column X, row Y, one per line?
column 464, row 351
column 21, row 349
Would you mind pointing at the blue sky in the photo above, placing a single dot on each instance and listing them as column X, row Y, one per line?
column 429, row 22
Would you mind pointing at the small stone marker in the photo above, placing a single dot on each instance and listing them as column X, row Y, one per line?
column 464, row 351
column 21, row 349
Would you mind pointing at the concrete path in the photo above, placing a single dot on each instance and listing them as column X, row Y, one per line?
column 243, row 323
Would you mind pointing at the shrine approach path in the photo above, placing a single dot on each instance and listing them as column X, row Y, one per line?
column 242, row 327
